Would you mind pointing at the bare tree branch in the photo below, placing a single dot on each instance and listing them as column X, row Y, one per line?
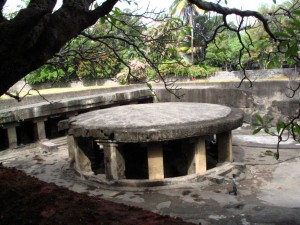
column 19, row 98
column 208, row 6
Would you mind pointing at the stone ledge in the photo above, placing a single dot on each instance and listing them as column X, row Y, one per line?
column 215, row 175
column 75, row 104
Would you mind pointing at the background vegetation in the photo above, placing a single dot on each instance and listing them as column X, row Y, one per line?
column 176, row 47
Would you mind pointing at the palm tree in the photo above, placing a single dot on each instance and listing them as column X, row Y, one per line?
column 185, row 10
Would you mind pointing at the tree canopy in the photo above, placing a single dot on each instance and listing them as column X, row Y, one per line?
column 37, row 35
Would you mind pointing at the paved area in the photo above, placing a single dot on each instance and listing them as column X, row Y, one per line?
column 268, row 190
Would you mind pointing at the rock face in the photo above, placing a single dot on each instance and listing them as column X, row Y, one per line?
column 155, row 122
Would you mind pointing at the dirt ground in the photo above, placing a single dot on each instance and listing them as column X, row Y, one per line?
column 27, row 200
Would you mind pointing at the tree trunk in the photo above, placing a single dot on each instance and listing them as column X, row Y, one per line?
column 33, row 37
column 191, row 21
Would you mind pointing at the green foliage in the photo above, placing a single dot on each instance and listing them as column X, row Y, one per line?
column 261, row 124
column 86, row 58
column 44, row 74
column 285, row 25
column 177, row 69
column 138, row 72
column 280, row 130
column 224, row 52
column 110, row 46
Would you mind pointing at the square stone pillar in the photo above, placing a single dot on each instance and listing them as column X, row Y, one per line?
column 224, row 142
column 12, row 135
column 39, row 129
column 71, row 148
column 190, row 155
column 113, row 160
column 200, row 156
column 82, row 162
column 155, row 161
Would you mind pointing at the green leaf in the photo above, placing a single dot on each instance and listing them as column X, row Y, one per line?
column 117, row 12
column 295, row 23
column 270, row 120
column 290, row 31
column 284, row 44
column 266, row 130
column 256, row 130
column 296, row 129
column 102, row 20
column 259, row 118
column 297, row 12
column 279, row 126
column 274, row 1
column 273, row 64
column 292, row 51
column 290, row 61
column 281, row 34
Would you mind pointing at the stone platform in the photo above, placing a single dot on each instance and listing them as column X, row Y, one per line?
column 172, row 135
column 156, row 122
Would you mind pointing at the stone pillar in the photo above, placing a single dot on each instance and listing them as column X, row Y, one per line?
column 114, row 160
column 82, row 162
column 190, row 155
column 71, row 148
column 155, row 161
column 200, row 156
column 39, row 129
column 12, row 135
column 224, row 143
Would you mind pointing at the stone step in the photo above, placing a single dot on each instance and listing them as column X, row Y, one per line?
column 221, row 173
column 59, row 141
column 54, row 144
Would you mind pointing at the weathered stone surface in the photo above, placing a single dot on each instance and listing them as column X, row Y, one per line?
column 71, row 148
column 155, row 122
column 263, row 98
column 114, row 161
column 229, row 95
column 82, row 161
column 62, row 105
column 224, row 146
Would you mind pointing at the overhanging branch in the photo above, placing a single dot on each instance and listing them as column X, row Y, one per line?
column 209, row 6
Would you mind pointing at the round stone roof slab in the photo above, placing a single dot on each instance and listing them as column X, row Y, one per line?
column 155, row 122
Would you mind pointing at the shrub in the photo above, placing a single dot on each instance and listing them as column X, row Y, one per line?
column 138, row 72
column 176, row 69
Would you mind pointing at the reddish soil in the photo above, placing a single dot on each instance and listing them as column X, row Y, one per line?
column 27, row 200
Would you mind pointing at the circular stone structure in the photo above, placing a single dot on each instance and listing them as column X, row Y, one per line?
column 159, row 130
column 156, row 122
